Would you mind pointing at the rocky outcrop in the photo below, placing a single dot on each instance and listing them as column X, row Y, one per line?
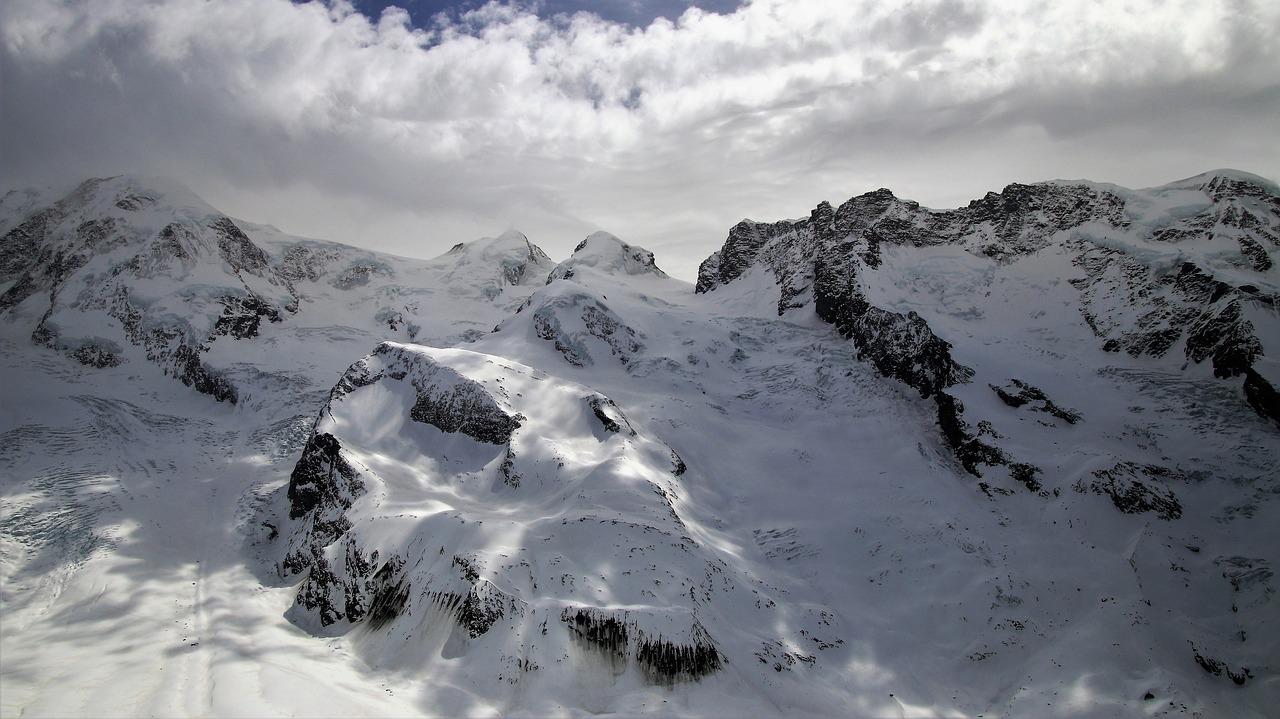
column 1132, row 298
column 581, row 327
column 507, row 451
column 65, row 259
column 1135, row 489
column 611, row 418
column 1262, row 396
column 662, row 661
column 1023, row 394
column 1187, row 306
column 1217, row 668
column 453, row 403
column 322, row 487
column 1018, row 221
column 824, row 262
column 242, row 316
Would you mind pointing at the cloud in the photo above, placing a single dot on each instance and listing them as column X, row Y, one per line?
column 665, row 135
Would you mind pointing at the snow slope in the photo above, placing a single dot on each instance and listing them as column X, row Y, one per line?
column 887, row 461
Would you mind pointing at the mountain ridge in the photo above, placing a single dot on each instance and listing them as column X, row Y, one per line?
column 1012, row 458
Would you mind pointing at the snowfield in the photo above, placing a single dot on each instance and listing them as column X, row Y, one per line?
column 1015, row 459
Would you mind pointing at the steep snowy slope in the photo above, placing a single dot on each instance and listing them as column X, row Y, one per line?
column 131, row 269
column 1015, row 459
column 127, row 521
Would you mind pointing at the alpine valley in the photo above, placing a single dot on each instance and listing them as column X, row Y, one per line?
column 1017, row 458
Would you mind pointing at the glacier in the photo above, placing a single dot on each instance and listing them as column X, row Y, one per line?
column 1012, row 459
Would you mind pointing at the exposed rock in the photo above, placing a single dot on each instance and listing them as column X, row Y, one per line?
column 303, row 262
column 237, row 249
column 1135, row 489
column 1218, row 668
column 358, row 275
column 829, row 259
column 390, row 593
column 972, row 452
column 1257, row 256
column 663, row 662
column 1024, row 394
column 1251, row 579
column 134, row 202
column 193, row 373
column 1223, row 334
column 1261, row 395
column 611, row 418
column 620, row 487
column 322, row 478
column 1018, row 221
column 242, row 316
column 666, row 662
column 573, row 321
column 99, row 356
column 456, row 404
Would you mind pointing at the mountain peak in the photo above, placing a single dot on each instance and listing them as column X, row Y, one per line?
column 517, row 259
column 606, row 253
column 1226, row 184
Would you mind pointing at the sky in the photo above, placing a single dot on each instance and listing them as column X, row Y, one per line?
column 410, row 127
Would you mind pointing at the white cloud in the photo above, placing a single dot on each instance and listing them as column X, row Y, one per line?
column 664, row 135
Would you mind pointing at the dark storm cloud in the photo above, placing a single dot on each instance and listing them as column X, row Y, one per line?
column 327, row 123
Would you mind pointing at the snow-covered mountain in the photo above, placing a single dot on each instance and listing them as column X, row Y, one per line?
column 1013, row 459
column 135, row 269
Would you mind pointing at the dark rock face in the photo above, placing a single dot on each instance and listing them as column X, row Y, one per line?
column 476, row 605
column 900, row 346
column 322, row 477
column 302, row 262
column 390, row 593
column 1261, row 395
column 237, row 249
column 1135, row 489
column 1024, row 394
column 746, row 240
column 242, row 316
column 904, row 348
column 609, row 255
column 466, row 408
column 610, row 416
column 525, row 267
column 574, row 322
column 662, row 661
column 322, row 487
column 358, row 563
column 1218, row 668
column 358, row 275
column 1022, row 219
column 1225, row 336
column 603, row 629
column 604, row 325
column 43, row 256
column 133, row 202
column 1192, row 302
column 192, row 373
column 972, row 452
column 457, row 404
column 94, row 355
column 828, row 259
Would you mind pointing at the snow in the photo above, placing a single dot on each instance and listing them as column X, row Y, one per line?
column 863, row 571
